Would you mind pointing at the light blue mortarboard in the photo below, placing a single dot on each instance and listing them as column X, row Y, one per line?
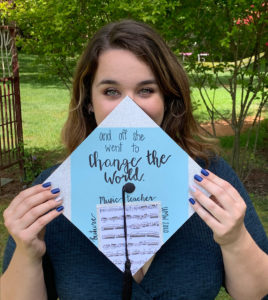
column 128, row 146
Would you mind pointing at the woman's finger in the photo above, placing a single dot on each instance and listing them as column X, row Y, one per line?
column 41, row 222
column 28, row 203
column 225, row 185
column 214, row 189
column 38, row 211
column 210, row 205
column 28, row 193
column 224, row 192
column 210, row 220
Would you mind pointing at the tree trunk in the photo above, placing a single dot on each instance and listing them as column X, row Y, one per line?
column 236, row 151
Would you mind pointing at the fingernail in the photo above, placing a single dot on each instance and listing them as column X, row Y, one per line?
column 204, row 172
column 55, row 191
column 192, row 201
column 60, row 208
column 198, row 178
column 192, row 189
column 59, row 198
column 46, row 184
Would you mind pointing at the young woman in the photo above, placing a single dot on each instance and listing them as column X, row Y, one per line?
column 222, row 244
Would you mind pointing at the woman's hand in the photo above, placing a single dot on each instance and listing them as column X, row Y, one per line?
column 223, row 212
column 245, row 264
column 28, row 214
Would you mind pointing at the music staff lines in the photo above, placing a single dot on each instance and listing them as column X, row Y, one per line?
column 131, row 253
column 139, row 244
column 132, row 226
column 132, row 235
column 129, row 217
column 129, row 208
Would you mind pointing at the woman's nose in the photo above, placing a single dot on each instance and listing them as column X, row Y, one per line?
column 131, row 95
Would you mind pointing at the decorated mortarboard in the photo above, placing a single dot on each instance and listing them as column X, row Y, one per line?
column 127, row 184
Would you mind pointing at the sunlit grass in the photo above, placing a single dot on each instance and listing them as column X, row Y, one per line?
column 223, row 104
column 44, row 105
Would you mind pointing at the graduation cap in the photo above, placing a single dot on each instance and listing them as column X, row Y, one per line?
column 126, row 187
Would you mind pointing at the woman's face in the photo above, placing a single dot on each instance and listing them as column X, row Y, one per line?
column 119, row 74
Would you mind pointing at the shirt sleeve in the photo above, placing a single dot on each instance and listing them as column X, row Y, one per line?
column 47, row 267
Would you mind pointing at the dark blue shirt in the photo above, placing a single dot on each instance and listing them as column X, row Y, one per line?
column 188, row 266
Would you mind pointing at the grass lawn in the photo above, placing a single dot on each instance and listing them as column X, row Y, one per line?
column 44, row 110
column 44, row 106
column 222, row 102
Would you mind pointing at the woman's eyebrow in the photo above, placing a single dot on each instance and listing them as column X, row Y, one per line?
column 149, row 81
column 114, row 82
column 107, row 81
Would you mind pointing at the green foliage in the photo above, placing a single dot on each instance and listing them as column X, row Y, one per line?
column 32, row 165
column 261, row 205
column 229, row 31
column 233, row 33
column 253, row 138
column 37, row 159
column 57, row 31
column 3, row 233
column 227, row 142
column 223, row 295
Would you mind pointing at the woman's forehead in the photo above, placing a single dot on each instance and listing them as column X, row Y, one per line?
column 122, row 66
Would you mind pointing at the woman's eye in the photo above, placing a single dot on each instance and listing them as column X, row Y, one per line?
column 111, row 92
column 146, row 91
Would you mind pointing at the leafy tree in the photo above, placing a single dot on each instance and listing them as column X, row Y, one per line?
column 57, row 31
column 234, row 34
column 229, row 30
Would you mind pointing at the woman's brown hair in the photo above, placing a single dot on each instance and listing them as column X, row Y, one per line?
column 148, row 46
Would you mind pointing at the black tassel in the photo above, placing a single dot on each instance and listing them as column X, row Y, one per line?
column 127, row 282
column 127, row 279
